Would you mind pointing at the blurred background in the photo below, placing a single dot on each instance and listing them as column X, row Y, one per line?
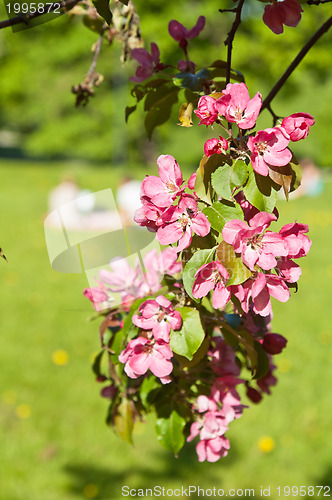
column 54, row 443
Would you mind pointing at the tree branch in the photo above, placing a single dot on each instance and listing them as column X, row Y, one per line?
column 25, row 18
column 317, row 2
column 230, row 38
column 323, row 29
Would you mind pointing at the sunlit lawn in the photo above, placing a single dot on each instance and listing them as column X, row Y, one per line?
column 54, row 443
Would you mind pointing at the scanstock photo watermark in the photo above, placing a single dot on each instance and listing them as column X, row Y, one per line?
column 197, row 491
column 23, row 15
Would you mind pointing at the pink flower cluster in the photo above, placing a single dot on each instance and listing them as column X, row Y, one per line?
column 234, row 104
column 173, row 223
column 219, row 409
column 278, row 13
column 133, row 283
column 261, row 251
column 143, row 354
column 182, row 34
column 152, row 352
column 268, row 147
column 149, row 62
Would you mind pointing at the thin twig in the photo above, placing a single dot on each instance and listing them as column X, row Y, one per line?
column 97, row 50
column 227, row 10
column 323, row 29
column 274, row 116
column 230, row 38
column 317, row 2
column 25, row 18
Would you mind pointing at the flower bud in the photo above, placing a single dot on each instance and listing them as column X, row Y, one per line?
column 274, row 343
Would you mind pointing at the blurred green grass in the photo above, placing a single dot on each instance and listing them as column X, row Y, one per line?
column 54, row 443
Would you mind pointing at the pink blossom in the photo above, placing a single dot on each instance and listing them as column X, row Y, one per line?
column 162, row 191
column 223, row 358
column 180, row 222
column 97, row 295
column 269, row 147
column 297, row 125
column 249, row 211
column 157, row 264
column 165, row 262
column 191, row 181
column 212, row 276
column 254, row 395
column 182, row 34
column 242, row 293
column 186, row 66
column 142, row 354
column 262, row 287
column 215, row 146
column 256, row 246
column 207, row 110
column 239, row 108
column 274, row 343
column 269, row 380
column 211, row 429
column 223, row 391
column 206, row 404
column 296, row 242
column 212, row 449
column 159, row 316
column 149, row 63
column 289, row 270
column 124, row 279
column 286, row 12
column 149, row 215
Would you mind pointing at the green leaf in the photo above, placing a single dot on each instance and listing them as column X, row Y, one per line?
column 128, row 111
column 148, row 385
column 128, row 323
column 123, row 420
column 220, row 71
column 207, row 166
column 296, row 173
column 198, row 356
column 103, row 9
column 185, row 115
column 190, row 81
column 157, row 96
column 199, row 258
column 228, row 177
column 170, row 432
column 94, row 24
column 96, row 366
column 262, row 365
column 187, row 341
column 219, row 213
column 160, row 110
column 238, row 272
column 253, row 193
column 282, row 176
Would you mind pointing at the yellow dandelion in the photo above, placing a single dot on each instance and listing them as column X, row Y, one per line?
column 266, row 444
column 60, row 357
column 90, row 490
column 9, row 397
column 23, row 410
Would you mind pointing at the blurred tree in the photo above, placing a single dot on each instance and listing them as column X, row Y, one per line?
column 40, row 65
